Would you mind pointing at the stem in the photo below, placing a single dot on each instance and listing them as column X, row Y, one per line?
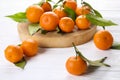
column 79, row 53
column 82, row 6
column 59, row 1
column 75, row 49
column 19, row 44
column 82, row 2
column 56, row 4
column 103, row 27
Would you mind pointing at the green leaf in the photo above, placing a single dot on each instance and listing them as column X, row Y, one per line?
column 91, row 63
column 70, row 13
column 43, row 31
column 59, row 1
column 87, row 4
column 99, row 62
column 21, row 63
column 33, row 28
column 97, row 13
column 57, row 4
column 59, row 30
column 116, row 45
column 99, row 21
column 49, row 0
column 18, row 17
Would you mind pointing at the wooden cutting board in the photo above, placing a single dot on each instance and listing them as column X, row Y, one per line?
column 55, row 40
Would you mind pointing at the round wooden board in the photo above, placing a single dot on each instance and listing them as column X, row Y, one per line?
column 55, row 40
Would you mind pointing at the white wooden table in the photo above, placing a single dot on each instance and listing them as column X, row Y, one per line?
column 49, row 64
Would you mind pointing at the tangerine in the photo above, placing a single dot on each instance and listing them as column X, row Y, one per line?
column 49, row 21
column 60, row 12
column 13, row 53
column 66, row 24
column 82, row 10
column 30, row 47
column 46, row 6
column 70, row 4
column 103, row 39
column 76, row 65
column 82, row 22
column 33, row 13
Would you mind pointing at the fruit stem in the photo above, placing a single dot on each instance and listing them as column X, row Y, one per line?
column 82, row 2
column 78, row 53
column 103, row 27
column 56, row 4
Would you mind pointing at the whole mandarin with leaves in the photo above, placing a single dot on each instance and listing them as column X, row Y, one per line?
column 46, row 6
column 76, row 65
column 103, row 39
column 82, row 10
column 49, row 21
column 13, row 53
column 82, row 22
column 70, row 4
column 66, row 24
column 33, row 13
column 60, row 12
column 30, row 47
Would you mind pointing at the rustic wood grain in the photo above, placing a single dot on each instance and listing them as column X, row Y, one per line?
column 53, row 39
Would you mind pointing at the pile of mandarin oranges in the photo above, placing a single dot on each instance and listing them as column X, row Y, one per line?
column 49, row 19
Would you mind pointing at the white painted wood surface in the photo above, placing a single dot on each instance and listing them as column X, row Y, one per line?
column 49, row 64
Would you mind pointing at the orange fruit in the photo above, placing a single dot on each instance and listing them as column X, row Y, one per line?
column 70, row 4
column 60, row 12
column 46, row 6
column 82, row 10
column 13, row 53
column 103, row 39
column 30, row 47
column 33, row 13
column 49, row 21
column 82, row 22
column 76, row 65
column 66, row 24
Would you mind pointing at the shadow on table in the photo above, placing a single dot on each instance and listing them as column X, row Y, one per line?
column 92, row 69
